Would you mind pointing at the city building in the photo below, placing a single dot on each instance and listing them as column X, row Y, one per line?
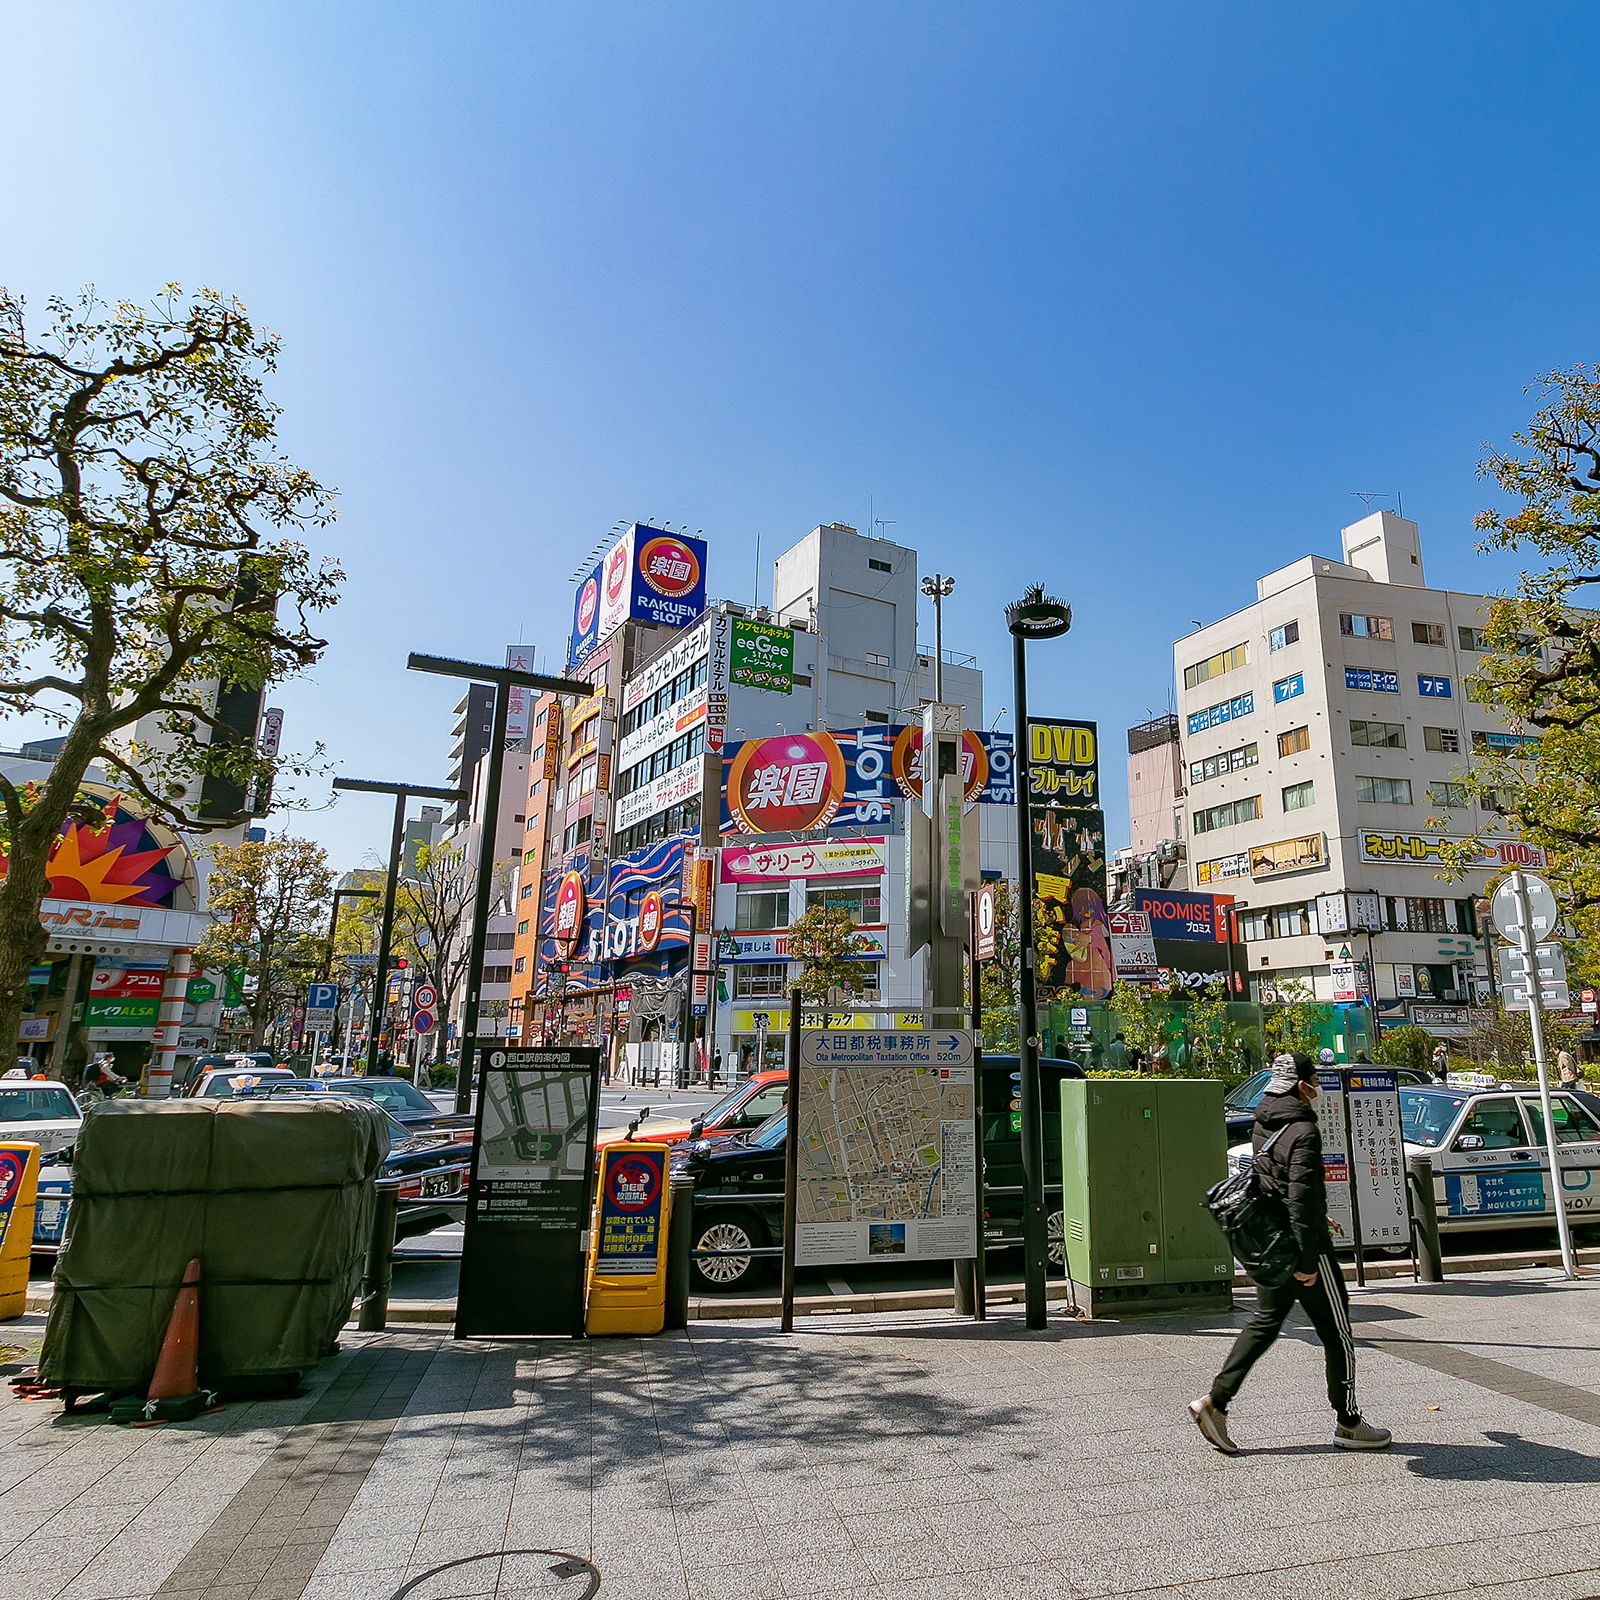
column 471, row 732
column 1322, row 728
column 1156, row 856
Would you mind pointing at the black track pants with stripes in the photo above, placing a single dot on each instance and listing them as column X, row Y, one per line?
column 1328, row 1306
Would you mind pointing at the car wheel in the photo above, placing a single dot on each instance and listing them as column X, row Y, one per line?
column 726, row 1232
column 1055, row 1234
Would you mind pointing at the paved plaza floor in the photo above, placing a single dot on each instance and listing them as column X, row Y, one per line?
column 899, row 1457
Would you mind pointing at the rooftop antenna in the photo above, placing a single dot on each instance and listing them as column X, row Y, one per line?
column 756, row 603
column 879, row 522
column 1399, row 504
column 1367, row 496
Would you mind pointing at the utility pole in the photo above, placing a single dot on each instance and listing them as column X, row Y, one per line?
column 936, row 588
column 504, row 679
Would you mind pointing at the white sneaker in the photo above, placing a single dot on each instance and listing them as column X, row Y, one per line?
column 1363, row 1436
column 1213, row 1424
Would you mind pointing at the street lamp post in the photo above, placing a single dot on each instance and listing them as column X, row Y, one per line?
column 936, row 588
column 333, row 921
column 504, row 679
column 402, row 793
column 1034, row 616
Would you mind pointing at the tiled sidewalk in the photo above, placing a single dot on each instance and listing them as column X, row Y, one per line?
column 893, row 1457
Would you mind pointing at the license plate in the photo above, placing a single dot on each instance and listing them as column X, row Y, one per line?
column 435, row 1184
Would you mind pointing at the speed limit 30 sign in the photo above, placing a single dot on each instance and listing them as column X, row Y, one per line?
column 422, row 997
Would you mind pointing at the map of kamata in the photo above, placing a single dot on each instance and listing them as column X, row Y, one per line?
column 877, row 1144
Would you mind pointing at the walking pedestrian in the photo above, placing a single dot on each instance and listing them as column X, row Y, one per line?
column 1118, row 1054
column 1441, row 1063
column 1567, row 1069
column 1292, row 1168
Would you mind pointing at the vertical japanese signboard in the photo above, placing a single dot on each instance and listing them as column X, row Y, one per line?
column 1363, row 1157
column 1068, row 831
column 523, row 1255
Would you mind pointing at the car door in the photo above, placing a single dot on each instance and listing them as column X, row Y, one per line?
column 1577, row 1149
column 1490, row 1167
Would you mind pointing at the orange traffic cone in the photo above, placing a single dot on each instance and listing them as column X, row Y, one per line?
column 175, row 1394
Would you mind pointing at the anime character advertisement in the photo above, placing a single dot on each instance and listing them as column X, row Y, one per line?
column 1072, row 934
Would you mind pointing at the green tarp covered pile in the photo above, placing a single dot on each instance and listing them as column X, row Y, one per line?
column 273, row 1197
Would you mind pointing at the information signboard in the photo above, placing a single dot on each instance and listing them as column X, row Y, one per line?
column 888, row 1149
column 632, row 1193
column 523, row 1254
column 1372, row 1157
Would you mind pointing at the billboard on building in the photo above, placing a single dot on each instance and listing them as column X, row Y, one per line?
column 1072, row 942
column 761, row 656
column 519, row 700
column 652, row 576
column 1063, row 761
column 1202, row 918
column 585, row 619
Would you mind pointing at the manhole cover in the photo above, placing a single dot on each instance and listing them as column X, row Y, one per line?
column 507, row 1575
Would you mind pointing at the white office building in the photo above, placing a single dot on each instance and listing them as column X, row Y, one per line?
column 1321, row 728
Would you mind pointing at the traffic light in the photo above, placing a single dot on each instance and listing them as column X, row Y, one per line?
column 400, row 963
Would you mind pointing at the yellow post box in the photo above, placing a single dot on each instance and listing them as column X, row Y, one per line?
column 627, row 1291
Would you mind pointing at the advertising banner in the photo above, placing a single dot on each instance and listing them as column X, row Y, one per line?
column 1071, row 929
column 775, row 946
column 124, row 983
column 528, row 1199
column 585, row 619
column 875, row 767
column 1202, row 917
column 1287, row 855
column 1422, row 849
column 127, row 1019
column 1063, row 762
column 652, row 576
column 1133, row 948
column 1373, row 682
column 761, row 656
column 662, row 669
column 828, row 858
column 519, row 699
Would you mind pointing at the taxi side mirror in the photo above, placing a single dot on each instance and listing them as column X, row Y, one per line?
column 1470, row 1141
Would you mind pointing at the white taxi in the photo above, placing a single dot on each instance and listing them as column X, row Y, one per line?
column 39, row 1112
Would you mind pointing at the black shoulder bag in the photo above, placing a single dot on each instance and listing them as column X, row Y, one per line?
column 1255, row 1221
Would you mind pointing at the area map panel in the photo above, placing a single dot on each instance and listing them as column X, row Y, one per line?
column 887, row 1158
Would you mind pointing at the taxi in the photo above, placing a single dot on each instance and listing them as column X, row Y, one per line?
column 1491, row 1166
column 743, row 1108
column 39, row 1111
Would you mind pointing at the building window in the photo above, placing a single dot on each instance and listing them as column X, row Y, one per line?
column 1500, row 744
column 1228, row 814
column 497, row 974
column 1499, row 800
column 1252, row 926
column 760, row 980
column 1246, row 755
column 862, row 901
column 1288, row 634
column 1294, row 741
column 1427, row 633
column 1378, row 735
column 1289, row 922
column 876, row 660
column 878, row 566
column 1224, row 711
column 533, row 823
column 1447, row 794
column 1384, row 791
column 869, row 976
column 520, row 964
column 1372, row 680
column 1445, row 740
column 522, row 927
column 1289, row 688
column 761, row 909
column 875, row 716
column 519, row 819
column 1298, row 796
column 1436, row 688
column 1473, row 638
column 527, row 889
column 1215, row 666
column 1366, row 627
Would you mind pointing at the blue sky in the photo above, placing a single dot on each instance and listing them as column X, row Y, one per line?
column 1127, row 300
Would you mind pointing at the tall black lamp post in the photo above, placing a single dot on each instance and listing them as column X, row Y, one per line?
column 333, row 921
column 1034, row 616
column 504, row 679
column 402, row 793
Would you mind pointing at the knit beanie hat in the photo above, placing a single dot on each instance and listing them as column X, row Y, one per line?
column 1289, row 1070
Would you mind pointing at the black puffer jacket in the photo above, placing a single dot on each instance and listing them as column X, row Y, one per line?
column 1293, row 1168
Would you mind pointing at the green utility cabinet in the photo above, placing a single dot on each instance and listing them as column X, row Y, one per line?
column 1137, row 1157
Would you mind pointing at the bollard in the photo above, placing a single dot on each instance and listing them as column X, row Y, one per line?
column 1425, row 1219
column 680, row 1241
column 378, row 1269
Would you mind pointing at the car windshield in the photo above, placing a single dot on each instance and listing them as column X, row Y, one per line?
column 725, row 1104
column 770, row 1134
column 1246, row 1094
column 1427, row 1115
column 393, row 1094
column 1574, row 1125
column 37, row 1105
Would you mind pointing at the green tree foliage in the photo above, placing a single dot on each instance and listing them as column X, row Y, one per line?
column 1552, row 693
column 147, row 546
column 1294, row 1022
column 1504, row 1046
column 822, row 941
column 271, row 901
column 1142, row 1016
column 1406, row 1046
column 1215, row 1041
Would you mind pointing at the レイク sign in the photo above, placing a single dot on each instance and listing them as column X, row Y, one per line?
column 569, row 912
